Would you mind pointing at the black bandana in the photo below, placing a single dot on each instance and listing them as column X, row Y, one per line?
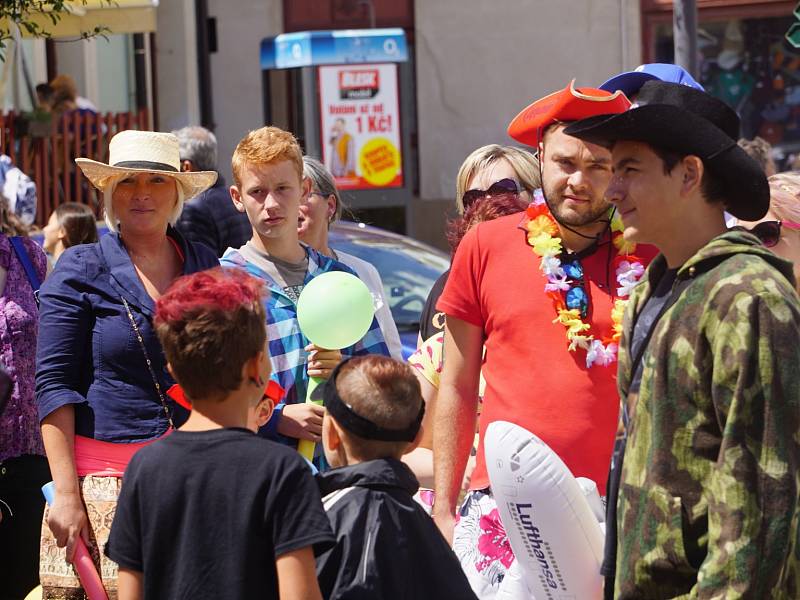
column 358, row 425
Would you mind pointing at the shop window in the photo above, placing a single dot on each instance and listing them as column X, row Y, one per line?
column 748, row 64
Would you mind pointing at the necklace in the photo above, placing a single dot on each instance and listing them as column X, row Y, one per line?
column 565, row 284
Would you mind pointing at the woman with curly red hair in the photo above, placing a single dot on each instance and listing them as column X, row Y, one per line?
column 493, row 181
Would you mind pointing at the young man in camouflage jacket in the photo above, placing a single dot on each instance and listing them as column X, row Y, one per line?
column 709, row 362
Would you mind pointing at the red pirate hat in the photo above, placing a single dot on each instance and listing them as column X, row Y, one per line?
column 565, row 105
column 273, row 391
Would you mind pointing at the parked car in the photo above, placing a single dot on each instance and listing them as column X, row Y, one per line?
column 407, row 267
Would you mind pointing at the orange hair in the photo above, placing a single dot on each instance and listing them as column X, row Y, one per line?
column 265, row 146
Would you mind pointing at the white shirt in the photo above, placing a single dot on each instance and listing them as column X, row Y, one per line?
column 370, row 276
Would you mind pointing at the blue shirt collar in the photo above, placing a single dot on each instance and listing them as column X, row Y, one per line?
column 123, row 274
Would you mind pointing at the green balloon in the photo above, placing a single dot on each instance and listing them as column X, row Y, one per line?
column 335, row 310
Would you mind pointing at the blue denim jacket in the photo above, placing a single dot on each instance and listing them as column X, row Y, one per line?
column 87, row 352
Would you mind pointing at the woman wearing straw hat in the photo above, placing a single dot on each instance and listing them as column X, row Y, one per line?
column 101, row 373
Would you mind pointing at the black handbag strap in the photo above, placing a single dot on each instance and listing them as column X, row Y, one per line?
column 149, row 363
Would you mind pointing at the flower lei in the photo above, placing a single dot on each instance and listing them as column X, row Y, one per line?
column 561, row 281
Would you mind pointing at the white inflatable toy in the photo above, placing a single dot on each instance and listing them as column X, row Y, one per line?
column 548, row 517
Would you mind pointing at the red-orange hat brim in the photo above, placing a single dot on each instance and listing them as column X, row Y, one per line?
column 569, row 104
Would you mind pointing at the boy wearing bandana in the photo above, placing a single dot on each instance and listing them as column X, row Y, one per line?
column 386, row 545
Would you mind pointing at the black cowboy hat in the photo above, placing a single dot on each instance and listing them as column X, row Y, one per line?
column 676, row 117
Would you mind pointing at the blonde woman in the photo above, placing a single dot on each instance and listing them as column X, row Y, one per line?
column 101, row 372
column 491, row 170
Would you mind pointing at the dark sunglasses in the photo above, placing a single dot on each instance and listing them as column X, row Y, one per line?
column 504, row 186
column 769, row 232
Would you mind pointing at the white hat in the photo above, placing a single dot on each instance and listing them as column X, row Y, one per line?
column 133, row 151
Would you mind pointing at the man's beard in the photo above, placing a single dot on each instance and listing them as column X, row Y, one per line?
column 596, row 213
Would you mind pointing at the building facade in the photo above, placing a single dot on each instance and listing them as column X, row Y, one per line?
column 474, row 65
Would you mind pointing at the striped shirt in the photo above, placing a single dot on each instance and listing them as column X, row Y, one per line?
column 285, row 341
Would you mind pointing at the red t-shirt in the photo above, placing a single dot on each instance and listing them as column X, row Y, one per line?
column 532, row 379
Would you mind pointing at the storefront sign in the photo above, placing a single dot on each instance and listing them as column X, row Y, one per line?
column 361, row 125
column 347, row 46
column 793, row 35
column 744, row 61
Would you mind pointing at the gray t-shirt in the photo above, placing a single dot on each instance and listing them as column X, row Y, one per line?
column 288, row 275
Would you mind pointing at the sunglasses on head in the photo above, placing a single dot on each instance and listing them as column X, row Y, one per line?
column 503, row 186
column 769, row 232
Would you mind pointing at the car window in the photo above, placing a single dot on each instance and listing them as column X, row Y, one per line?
column 408, row 272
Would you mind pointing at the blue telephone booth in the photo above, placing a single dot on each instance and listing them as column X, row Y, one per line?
column 351, row 106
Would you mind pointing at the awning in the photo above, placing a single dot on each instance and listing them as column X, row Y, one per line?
column 118, row 16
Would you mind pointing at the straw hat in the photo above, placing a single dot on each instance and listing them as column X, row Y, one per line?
column 134, row 151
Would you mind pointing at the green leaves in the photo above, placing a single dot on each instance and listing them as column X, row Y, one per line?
column 23, row 12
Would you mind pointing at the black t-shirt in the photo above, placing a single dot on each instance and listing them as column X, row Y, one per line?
column 646, row 320
column 431, row 321
column 205, row 515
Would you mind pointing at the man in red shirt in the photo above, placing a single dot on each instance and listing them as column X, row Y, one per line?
column 543, row 292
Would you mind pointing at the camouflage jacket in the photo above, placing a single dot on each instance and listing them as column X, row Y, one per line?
column 708, row 501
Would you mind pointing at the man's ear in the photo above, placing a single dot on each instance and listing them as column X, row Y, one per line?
column 187, row 166
column 236, row 198
column 693, row 169
column 305, row 186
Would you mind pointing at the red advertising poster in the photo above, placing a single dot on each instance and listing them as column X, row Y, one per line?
column 361, row 125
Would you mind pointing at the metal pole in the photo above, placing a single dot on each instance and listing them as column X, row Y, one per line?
column 371, row 10
column 204, row 49
column 684, row 28
column 140, row 71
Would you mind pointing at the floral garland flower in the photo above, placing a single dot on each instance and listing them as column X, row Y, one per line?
column 562, row 285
